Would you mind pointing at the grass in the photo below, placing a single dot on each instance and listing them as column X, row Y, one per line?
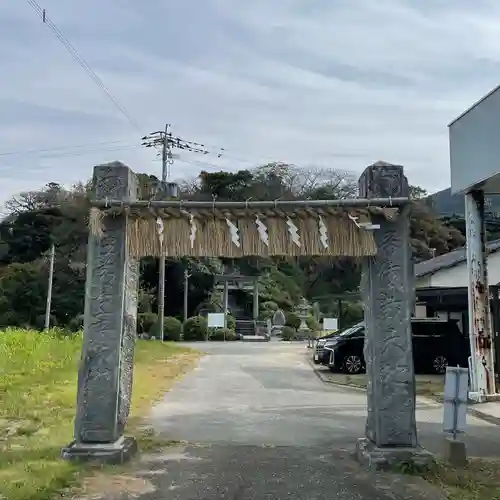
column 38, row 375
column 431, row 386
column 479, row 480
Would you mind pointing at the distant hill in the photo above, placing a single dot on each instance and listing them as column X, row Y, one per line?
column 445, row 204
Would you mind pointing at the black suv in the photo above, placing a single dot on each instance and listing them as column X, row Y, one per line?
column 436, row 344
column 320, row 355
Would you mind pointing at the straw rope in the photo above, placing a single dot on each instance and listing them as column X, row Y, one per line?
column 213, row 236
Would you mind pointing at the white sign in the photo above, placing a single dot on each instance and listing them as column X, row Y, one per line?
column 216, row 320
column 330, row 324
column 456, row 388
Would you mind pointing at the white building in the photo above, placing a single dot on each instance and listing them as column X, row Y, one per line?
column 441, row 285
column 450, row 269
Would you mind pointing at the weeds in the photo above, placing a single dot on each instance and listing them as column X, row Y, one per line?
column 38, row 376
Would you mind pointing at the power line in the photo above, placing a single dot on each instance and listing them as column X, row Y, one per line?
column 61, row 148
column 79, row 59
column 89, row 151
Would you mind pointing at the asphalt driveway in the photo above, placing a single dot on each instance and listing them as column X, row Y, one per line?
column 258, row 423
column 268, row 394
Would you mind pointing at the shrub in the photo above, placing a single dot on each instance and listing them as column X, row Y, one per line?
column 76, row 324
column 195, row 328
column 146, row 321
column 231, row 336
column 221, row 334
column 313, row 324
column 267, row 309
column 40, row 321
column 172, row 328
column 230, row 322
column 60, row 332
column 292, row 320
column 288, row 333
column 9, row 318
column 269, row 305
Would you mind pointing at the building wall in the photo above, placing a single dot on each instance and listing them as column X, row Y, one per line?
column 458, row 276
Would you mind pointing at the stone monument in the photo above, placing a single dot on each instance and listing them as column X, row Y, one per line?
column 388, row 296
column 105, row 374
column 278, row 323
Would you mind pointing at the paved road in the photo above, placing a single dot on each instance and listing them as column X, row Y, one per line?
column 268, row 394
column 261, row 425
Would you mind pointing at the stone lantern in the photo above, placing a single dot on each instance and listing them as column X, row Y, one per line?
column 303, row 309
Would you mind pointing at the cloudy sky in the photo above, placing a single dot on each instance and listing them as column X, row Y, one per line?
column 332, row 83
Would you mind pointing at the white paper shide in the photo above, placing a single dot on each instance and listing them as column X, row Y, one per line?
column 293, row 231
column 262, row 230
column 235, row 233
column 160, row 227
column 192, row 233
column 323, row 233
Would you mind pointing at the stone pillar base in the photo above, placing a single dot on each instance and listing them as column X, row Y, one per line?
column 455, row 452
column 375, row 458
column 118, row 452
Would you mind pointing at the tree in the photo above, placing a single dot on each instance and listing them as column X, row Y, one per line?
column 52, row 195
column 227, row 185
column 29, row 234
column 58, row 215
column 418, row 193
column 430, row 236
column 22, row 294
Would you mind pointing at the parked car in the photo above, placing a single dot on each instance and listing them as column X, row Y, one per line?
column 436, row 344
column 321, row 356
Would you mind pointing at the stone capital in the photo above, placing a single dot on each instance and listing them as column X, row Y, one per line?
column 383, row 180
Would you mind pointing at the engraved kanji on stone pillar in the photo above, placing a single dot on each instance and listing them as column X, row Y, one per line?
column 105, row 374
column 388, row 295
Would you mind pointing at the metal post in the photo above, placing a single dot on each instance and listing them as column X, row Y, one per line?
column 256, row 300
column 480, row 331
column 339, row 319
column 49, row 286
column 161, row 294
column 226, row 300
column 457, row 398
column 186, row 289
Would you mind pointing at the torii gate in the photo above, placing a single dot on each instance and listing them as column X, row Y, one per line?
column 123, row 229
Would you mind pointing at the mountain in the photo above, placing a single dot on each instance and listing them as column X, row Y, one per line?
column 446, row 204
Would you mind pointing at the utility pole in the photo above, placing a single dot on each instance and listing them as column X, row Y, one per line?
column 186, row 289
column 165, row 158
column 166, row 141
column 163, row 139
column 49, row 286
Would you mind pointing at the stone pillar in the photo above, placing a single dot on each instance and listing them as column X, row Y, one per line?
column 255, row 300
column 105, row 374
column 388, row 294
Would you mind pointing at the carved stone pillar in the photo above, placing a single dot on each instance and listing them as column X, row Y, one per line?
column 388, row 295
column 105, row 374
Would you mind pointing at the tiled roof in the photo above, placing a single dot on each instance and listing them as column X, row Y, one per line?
column 447, row 260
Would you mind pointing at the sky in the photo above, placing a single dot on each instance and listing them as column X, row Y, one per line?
column 326, row 83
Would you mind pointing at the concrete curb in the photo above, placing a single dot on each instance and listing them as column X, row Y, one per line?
column 483, row 416
column 424, row 399
column 336, row 384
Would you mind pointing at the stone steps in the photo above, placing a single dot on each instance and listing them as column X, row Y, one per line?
column 255, row 338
